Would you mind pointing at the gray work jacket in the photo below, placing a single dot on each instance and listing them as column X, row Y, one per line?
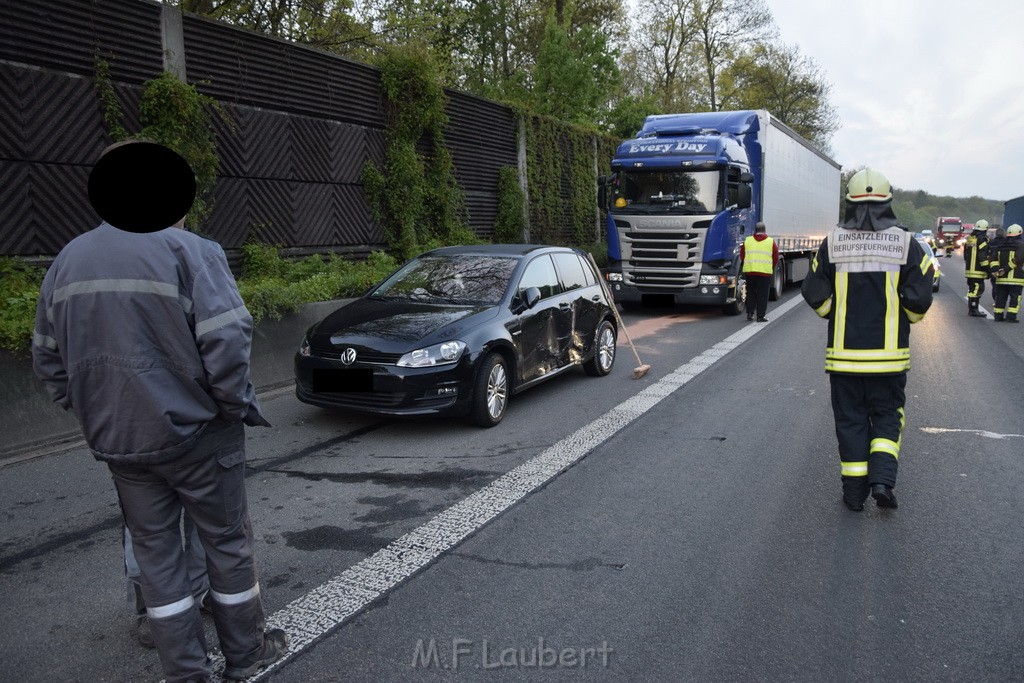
column 145, row 338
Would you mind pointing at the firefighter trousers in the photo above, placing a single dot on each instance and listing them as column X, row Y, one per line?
column 975, row 288
column 209, row 483
column 1007, row 301
column 869, row 416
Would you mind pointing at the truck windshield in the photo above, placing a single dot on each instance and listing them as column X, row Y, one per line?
column 667, row 192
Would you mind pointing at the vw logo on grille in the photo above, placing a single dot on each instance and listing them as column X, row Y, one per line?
column 348, row 356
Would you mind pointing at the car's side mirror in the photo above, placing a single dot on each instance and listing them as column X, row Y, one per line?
column 526, row 299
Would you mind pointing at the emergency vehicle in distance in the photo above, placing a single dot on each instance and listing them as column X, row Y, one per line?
column 686, row 192
column 948, row 230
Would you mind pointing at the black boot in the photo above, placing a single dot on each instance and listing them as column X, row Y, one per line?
column 884, row 496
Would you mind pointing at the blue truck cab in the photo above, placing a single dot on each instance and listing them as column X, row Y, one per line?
column 686, row 191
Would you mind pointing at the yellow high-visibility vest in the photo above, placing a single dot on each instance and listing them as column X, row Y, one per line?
column 757, row 255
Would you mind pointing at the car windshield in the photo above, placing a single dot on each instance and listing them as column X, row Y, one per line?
column 667, row 192
column 467, row 279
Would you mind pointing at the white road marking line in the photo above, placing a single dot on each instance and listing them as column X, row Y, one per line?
column 979, row 432
column 317, row 613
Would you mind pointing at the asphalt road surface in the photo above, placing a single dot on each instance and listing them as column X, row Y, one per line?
column 684, row 526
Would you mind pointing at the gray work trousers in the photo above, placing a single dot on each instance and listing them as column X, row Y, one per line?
column 209, row 483
column 197, row 573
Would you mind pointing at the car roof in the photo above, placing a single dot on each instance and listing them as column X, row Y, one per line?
column 497, row 249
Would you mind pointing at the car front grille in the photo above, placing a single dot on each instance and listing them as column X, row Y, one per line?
column 362, row 356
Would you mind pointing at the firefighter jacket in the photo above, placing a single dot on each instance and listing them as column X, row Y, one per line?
column 870, row 286
column 976, row 255
column 1008, row 258
column 145, row 339
column 759, row 255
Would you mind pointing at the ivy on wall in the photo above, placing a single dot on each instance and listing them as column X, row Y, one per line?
column 562, row 186
column 509, row 226
column 415, row 196
column 172, row 113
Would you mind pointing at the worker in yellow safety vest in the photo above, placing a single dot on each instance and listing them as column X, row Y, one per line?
column 759, row 255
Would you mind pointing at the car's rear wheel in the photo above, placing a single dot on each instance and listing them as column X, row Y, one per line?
column 491, row 392
column 604, row 351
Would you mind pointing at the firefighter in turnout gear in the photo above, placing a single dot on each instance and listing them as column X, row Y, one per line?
column 1007, row 264
column 976, row 267
column 870, row 279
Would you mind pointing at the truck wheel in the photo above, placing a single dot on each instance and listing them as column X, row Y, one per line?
column 777, row 282
column 740, row 304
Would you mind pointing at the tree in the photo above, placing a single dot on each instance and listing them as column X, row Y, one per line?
column 788, row 84
column 658, row 63
column 722, row 28
column 573, row 79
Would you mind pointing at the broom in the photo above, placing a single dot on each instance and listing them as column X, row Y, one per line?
column 641, row 369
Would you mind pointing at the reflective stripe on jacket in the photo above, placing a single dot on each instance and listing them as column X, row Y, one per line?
column 870, row 306
column 758, row 255
column 976, row 259
column 145, row 338
column 1008, row 257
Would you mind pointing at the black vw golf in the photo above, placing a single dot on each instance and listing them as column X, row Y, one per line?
column 457, row 331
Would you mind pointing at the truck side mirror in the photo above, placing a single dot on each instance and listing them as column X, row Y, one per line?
column 746, row 177
column 602, row 194
column 744, row 196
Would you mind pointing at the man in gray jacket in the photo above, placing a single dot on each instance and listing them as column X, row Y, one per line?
column 141, row 333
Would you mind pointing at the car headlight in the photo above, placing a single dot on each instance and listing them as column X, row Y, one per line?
column 439, row 354
column 304, row 348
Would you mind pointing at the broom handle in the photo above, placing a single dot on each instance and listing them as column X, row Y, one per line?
column 608, row 295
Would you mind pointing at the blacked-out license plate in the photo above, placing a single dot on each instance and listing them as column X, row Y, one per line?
column 357, row 380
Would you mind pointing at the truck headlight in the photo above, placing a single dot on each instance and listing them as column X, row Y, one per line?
column 444, row 353
column 712, row 280
column 614, row 277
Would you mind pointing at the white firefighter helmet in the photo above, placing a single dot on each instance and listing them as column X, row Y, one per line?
column 868, row 185
column 1013, row 231
column 981, row 225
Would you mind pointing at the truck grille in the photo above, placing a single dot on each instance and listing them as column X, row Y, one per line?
column 661, row 260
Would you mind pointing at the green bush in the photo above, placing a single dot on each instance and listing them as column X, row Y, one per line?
column 271, row 285
column 19, row 290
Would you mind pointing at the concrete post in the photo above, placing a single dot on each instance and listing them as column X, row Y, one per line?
column 597, row 209
column 172, row 39
column 524, row 184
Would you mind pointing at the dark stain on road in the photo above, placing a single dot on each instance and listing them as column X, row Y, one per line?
column 390, row 509
column 336, row 538
column 585, row 565
column 441, row 479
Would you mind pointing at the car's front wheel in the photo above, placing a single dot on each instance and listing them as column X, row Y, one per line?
column 491, row 391
column 604, row 351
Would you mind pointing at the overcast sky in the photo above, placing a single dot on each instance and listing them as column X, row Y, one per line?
column 930, row 92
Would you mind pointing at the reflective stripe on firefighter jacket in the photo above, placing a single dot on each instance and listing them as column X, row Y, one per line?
column 758, row 255
column 871, row 286
column 976, row 256
column 1008, row 257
